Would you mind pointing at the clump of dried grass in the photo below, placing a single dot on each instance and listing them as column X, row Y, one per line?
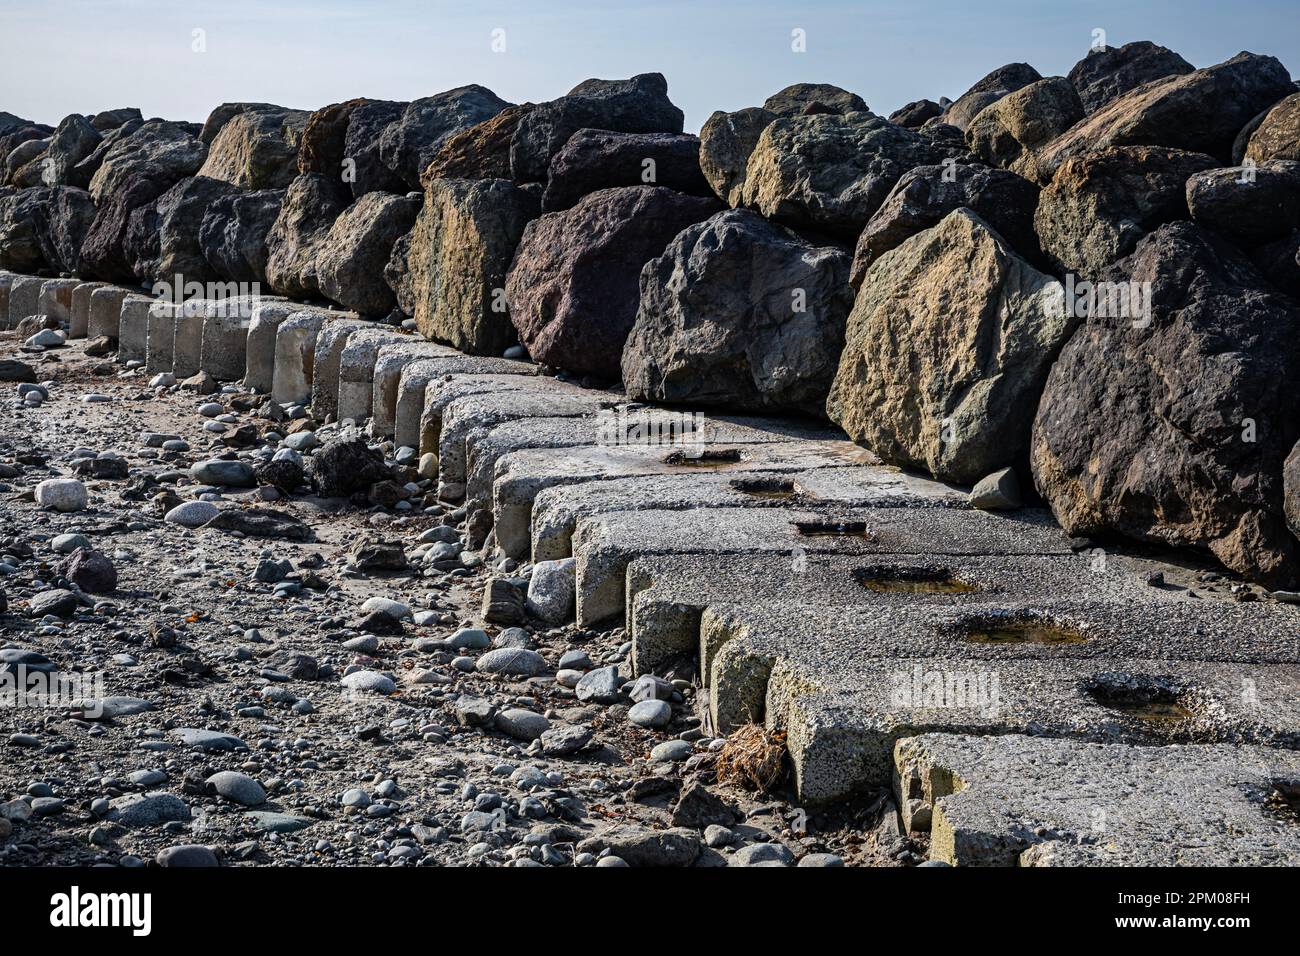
column 752, row 758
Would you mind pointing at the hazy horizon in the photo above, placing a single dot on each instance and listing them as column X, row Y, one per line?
column 80, row 56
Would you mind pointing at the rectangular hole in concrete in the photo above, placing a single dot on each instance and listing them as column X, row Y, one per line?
column 912, row 579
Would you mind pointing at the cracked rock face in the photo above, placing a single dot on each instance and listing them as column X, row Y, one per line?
column 1147, row 431
column 573, row 285
column 830, row 173
column 311, row 204
column 351, row 259
column 739, row 313
column 257, row 149
column 948, row 345
column 1099, row 206
column 1109, row 72
column 461, row 247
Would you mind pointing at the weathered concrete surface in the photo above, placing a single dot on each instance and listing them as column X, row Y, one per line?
column 55, row 299
column 187, row 341
column 79, row 314
column 416, row 376
column 1017, row 800
column 604, row 545
column 6, row 280
column 389, row 362
column 226, row 326
column 24, row 293
column 106, row 311
column 132, row 327
column 523, row 475
column 295, row 356
column 357, row 369
column 621, row 425
column 556, row 511
column 162, row 318
column 259, row 345
column 441, row 391
column 330, row 342
column 819, row 672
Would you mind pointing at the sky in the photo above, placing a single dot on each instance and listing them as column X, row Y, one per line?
column 63, row 56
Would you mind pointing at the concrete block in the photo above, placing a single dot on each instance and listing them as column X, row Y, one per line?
column 6, row 280
column 330, row 341
column 24, row 294
column 295, row 356
column 223, row 352
column 106, row 311
column 132, row 326
column 259, row 344
column 160, row 356
column 187, row 344
column 390, row 360
column 55, row 299
column 556, row 511
column 1024, row 801
column 604, row 545
column 523, row 475
column 79, row 316
column 415, row 377
column 357, row 369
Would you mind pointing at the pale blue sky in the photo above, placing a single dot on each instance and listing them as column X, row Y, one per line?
column 62, row 56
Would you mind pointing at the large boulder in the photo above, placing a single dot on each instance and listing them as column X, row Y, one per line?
column 948, row 345
column 12, row 157
column 257, row 149
column 830, row 173
column 1108, row 72
column 988, row 90
column 85, row 170
column 366, row 171
column 1174, row 429
column 1008, row 132
column 160, row 150
column 460, row 250
column 322, row 145
column 351, row 260
column 311, row 204
column 407, row 145
column 234, row 231
column 107, row 120
column 915, row 114
column 573, row 285
column 741, row 313
column 926, row 194
column 727, row 139
column 42, row 230
column 224, row 113
column 1279, row 262
column 726, row 142
column 595, row 159
column 1247, row 205
column 480, row 152
column 1278, row 134
column 1098, row 206
column 636, row 105
column 1201, row 111
column 107, row 251
column 799, row 97
column 397, row 273
column 73, row 141
column 165, row 242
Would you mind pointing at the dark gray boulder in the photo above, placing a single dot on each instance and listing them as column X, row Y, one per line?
column 234, row 231
column 595, row 159
column 926, row 194
column 311, row 204
column 740, row 313
column 988, row 90
column 1173, row 428
column 351, row 258
column 1247, row 205
column 636, row 105
column 408, row 144
column 1109, row 72
column 573, row 285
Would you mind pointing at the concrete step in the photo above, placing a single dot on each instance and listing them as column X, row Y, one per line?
column 557, row 510
column 387, row 373
column 331, row 339
column 414, row 382
column 827, row 675
column 357, row 369
column 605, row 545
column 1025, row 801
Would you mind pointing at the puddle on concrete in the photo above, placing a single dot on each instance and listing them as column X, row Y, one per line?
column 704, row 458
column 776, row 489
column 1017, row 629
column 1140, row 696
column 833, row 529
column 912, row 579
